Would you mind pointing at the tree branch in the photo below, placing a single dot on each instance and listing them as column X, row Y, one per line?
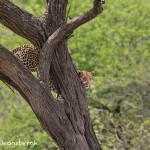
column 21, row 22
column 18, row 74
column 51, row 114
column 46, row 54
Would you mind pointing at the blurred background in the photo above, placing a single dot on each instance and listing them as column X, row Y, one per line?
column 116, row 45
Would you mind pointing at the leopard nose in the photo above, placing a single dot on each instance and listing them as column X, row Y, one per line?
column 102, row 1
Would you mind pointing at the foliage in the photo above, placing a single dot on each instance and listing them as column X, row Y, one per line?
column 115, row 45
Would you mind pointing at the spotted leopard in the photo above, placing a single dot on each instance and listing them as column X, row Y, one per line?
column 29, row 56
column 86, row 77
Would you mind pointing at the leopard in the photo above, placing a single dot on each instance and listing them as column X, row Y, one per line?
column 29, row 57
column 86, row 77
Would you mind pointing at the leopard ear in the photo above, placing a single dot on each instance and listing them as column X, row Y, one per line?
column 79, row 72
column 93, row 72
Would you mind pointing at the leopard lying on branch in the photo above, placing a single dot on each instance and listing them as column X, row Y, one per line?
column 29, row 56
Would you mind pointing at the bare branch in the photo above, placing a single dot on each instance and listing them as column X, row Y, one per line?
column 61, row 33
column 89, row 15
column 46, row 54
column 21, row 22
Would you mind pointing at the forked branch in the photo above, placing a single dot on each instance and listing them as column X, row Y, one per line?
column 60, row 34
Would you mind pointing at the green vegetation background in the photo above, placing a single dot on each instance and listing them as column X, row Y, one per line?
column 117, row 46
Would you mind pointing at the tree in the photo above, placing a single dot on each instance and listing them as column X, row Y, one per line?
column 66, row 121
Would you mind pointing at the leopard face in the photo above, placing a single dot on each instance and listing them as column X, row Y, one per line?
column 28, row 55
column 86, row 77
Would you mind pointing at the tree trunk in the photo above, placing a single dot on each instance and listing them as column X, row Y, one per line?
column 67, row 121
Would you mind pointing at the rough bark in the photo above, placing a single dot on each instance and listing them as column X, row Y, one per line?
column 68, row 121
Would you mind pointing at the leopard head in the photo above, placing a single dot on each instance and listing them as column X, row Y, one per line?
column 86, row 77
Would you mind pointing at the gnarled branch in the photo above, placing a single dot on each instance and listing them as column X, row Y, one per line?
column 62, row 33
column 21, row 22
